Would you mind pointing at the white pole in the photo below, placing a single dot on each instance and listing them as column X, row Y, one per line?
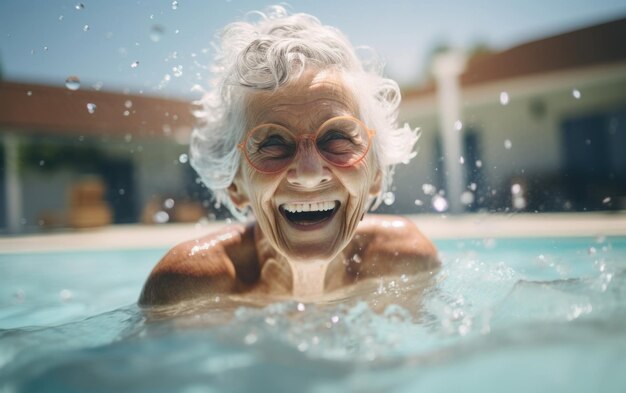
column 12, row 183
column 447, row 68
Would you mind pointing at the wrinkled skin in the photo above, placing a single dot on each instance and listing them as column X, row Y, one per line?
column 273, row 256
column 303, row 107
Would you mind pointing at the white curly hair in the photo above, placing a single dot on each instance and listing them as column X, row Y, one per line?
column 270, row 52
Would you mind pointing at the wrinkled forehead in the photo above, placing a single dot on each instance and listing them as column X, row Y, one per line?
column 315, row 95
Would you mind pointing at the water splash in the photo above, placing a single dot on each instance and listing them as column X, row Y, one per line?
column 72, row 82
column 439, row 203
column 156, row 33
column 428, row 189
column 169, row 203
column 389, row 198
column 467, row 197
column 177, row 71
column 161, row 217
column 504, row 98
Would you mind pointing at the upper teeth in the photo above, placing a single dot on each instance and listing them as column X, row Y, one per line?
column 309, row 206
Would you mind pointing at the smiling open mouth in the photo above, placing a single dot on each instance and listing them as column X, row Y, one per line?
column 306, row 214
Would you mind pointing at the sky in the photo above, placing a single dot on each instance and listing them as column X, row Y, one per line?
column 164, row 47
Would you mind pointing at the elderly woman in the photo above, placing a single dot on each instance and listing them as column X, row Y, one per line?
column 301, row 135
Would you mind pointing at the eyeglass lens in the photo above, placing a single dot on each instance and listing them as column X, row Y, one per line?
column 341, row 141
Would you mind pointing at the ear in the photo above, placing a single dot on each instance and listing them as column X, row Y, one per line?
column 376, row 186
column 237, row 193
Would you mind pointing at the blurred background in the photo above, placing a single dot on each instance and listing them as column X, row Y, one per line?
column 521, row 105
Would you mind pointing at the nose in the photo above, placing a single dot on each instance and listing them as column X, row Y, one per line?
column 308, row 169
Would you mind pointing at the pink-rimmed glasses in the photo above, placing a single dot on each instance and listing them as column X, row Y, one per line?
column 342, row 141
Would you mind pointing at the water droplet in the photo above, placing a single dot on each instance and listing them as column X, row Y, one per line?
column 576, row 94
column 128, row 104
column 169, row 203
column 128, row 138
column 29, row 93
column 174, row 5
column 121, row 191
column 303, row 346
column 467, row 197
column 45, row 48
column 301, row 307
column 504, row 98
column 389, row 198
column 86, row 28
column 91, row 107
column 79, row 6
column 461, row 160
column 356, row 258
column 508, row 144
column 428, row 189
column 479, row 164
column 19, row 295
column 60, row 17
column 161, row 217
column 134, row 64
column 458, row 125
column 126, row 113
column 516, row 189
column 65, row 295
column 156, row 32
column 519, row 202
column 177, row 71
column 42, row 163
column 334, row 319
column 592, row 251
column 472, row 186
column 418, row 202
column 439, row 203
column 72, row 82
column 250, row 338
column 183, row 158
column 606, row 200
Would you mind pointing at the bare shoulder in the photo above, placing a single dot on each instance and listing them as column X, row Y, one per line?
column 393, row 245
column 220, row 262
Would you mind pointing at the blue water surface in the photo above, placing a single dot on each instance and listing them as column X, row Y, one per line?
column 502, row 315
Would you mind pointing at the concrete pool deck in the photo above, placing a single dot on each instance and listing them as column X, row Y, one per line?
column 435, row 226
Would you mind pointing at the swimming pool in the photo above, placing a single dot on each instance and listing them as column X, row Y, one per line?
column 510, row 315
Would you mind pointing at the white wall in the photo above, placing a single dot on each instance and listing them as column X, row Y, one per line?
column 535, row 139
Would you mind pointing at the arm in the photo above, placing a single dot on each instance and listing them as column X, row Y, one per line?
column 221, row 262
column 392, row 245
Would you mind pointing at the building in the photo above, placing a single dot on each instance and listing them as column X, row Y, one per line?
column 86, row 158
column 541, row 127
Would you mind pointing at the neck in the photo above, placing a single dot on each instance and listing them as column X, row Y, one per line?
column 308, row 278
column 303, row 280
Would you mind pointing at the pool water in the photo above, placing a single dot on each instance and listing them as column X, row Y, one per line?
column 507, row 315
